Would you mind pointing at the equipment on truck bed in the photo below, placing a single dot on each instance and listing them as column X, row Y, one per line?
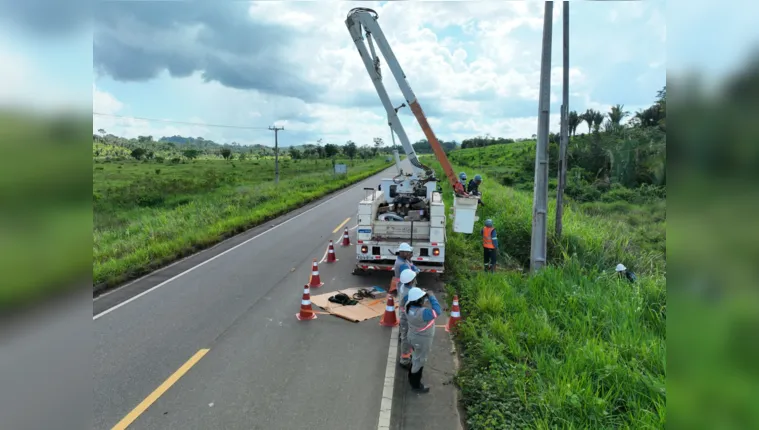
column 408, row 207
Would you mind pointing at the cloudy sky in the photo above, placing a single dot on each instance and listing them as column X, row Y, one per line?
column 474, row 65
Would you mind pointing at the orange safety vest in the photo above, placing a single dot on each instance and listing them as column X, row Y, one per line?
column 487, row 237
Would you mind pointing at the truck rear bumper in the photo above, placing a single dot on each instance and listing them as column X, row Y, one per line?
column 372, row 265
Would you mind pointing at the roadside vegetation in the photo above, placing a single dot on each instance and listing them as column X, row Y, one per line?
column 46, row 217
column 156, row 202
column 573, row 346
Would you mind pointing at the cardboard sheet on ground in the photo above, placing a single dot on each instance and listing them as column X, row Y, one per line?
column 363, row 310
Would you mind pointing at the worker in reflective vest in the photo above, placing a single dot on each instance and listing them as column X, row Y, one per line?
column 407, row 282
column 489, row 245
column 403, row 261
column 421, row 331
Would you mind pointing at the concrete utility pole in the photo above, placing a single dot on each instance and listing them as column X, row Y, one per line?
column 276, row 129
column 538, row 248
column 564, row 143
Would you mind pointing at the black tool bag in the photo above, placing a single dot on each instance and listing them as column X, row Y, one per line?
column 342, row 299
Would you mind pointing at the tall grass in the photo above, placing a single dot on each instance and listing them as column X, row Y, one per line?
column 573, row 346
column 148, row 214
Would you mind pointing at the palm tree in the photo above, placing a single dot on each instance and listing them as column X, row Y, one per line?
column 617, row 114
column 588, row 117
column 573, row 121
column 650, row 117
column 597, row 119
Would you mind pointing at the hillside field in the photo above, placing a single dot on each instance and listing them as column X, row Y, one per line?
column 148, row 213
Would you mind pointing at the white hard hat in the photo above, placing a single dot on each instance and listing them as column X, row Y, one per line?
column 405, row 247
column 621, row 267
column 407, row 276
column 415, row 294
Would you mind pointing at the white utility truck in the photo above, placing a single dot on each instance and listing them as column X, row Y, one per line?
column 409, row 207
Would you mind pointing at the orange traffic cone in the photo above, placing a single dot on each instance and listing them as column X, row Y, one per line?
column 346, row 238
column 315, row 281
column 331, row 253
column 388, row 318
column 306, row 312
column 455, row 315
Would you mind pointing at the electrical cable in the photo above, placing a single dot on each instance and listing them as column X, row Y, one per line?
column 180, row 122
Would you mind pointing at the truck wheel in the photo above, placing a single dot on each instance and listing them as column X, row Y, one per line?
column 359, row 272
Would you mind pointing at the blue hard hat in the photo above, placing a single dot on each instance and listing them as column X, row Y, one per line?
column 478, row 178
column 462, row 175
column 488, row 223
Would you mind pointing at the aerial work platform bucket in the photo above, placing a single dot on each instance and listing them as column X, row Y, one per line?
column 464, row 209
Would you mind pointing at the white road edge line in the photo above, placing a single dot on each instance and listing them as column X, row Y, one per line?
column 386, row 406
column 109, row 310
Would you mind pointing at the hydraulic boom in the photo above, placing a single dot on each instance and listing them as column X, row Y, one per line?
column 366, row 19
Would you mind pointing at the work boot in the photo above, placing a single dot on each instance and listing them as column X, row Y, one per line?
column 418, row 387
column 412, row 379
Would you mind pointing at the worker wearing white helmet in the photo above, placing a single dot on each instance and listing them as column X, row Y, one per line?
column 623, row 271
column 421, row 331
column 407, row 281
column 403, row 261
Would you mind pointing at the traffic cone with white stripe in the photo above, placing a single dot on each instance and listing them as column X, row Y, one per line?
column 388, row 318
column 331, row 253
column 315, row 281
column 306, row 312
column 346, row 238
column 455, row 315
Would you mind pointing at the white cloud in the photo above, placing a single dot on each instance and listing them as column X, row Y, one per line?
column 116, row 123
column 104, row 102
column 27, row 81
column 454, row 54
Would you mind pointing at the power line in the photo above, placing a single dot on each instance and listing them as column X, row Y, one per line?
column 180, row 122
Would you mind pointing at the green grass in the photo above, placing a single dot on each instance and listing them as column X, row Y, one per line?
column 46, row 221
column 573, row 346
column 149, row 214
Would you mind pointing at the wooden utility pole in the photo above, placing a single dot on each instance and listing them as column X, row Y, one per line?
column 564, row 143
column 538, row 247
column 276, row 129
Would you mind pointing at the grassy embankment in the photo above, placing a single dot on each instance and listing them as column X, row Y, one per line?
column 572, row 347
column 147, row 214
column 46, row 221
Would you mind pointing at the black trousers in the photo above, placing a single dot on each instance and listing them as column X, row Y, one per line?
column 490, row 255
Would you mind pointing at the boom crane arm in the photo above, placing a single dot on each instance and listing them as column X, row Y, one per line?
column 366, row 19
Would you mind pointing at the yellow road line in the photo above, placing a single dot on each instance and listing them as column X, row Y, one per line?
column 341, row 225
column 158, row 392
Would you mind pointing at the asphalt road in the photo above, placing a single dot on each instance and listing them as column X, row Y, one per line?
column 258, row 366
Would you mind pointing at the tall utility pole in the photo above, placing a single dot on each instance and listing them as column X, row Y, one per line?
column 276, row 129
column 538, row 248
column 564, row 143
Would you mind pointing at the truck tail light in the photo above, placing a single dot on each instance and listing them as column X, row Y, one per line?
column 364, row 249
column 436, row 251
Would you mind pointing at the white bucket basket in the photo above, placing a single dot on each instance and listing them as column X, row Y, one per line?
column 464, row 209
